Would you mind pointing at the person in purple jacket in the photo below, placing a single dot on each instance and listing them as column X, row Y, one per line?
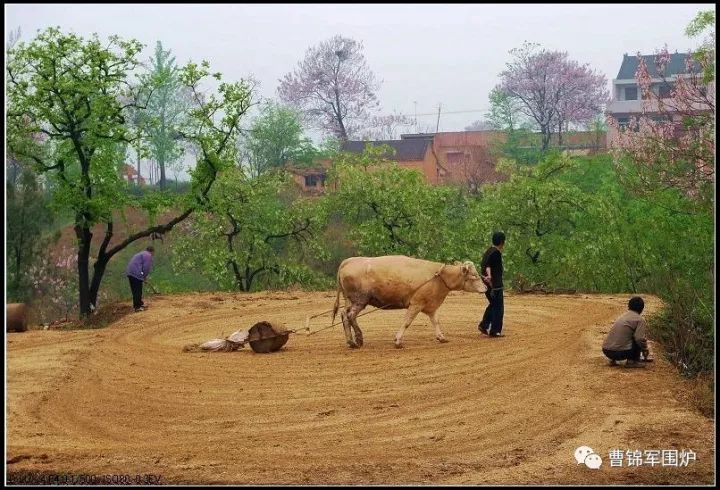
column 137, row 271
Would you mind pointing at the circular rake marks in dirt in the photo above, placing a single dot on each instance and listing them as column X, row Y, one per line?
column 431, row 412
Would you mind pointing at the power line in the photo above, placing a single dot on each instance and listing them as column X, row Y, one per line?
column 452, row 112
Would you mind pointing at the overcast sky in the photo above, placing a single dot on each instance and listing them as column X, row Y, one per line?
column 425, row 54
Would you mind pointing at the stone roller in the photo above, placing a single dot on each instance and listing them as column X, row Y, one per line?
column 17, row 314
column 267, row 337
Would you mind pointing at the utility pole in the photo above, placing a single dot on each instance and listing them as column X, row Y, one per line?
column 437, row 126
column 416, row 124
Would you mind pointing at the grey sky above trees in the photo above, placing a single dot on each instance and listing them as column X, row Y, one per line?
column 424, row 54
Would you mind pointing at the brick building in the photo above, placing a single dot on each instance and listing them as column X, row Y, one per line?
column 447, row 158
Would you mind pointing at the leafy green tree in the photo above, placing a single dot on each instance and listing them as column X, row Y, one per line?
column 667, row 167
column 167, row 104
column 505, row 111
column 705, row 54
column 539, row 213
column 67, row 103
column 328, row 149
column 250, row 229
column 598, row 127
column 390, row 209
column 275, row 139
column 27, row 216
column 518, row 142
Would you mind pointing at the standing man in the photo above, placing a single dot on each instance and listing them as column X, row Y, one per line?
column 491, row 271
column 137, row 271
column 627, row 338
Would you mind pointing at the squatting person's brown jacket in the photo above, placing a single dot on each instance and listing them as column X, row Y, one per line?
column 628, row 327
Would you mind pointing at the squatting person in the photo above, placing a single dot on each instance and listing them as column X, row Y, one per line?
column 627, row 338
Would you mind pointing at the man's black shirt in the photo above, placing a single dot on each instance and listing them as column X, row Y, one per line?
column 493, row 259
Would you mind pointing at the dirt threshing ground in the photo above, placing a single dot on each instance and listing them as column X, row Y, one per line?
column 126, row 399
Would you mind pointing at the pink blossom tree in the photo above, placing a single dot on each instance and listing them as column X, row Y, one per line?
column 552, row 90
column 333, row 87
column 671, row 145
column 586, row 95
column 54, row 285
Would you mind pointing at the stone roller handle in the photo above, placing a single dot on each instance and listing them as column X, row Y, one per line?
column 151, row 286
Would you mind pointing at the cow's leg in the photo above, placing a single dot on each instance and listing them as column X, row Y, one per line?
column 352, row 318
column 346, row 328
column 410, row 315
column 438, row 333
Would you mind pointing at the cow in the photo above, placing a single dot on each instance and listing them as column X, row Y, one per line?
column 399, row 282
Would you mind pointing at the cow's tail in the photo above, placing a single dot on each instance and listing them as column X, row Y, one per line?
column 337, row 298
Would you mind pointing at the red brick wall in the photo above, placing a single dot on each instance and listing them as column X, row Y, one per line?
column 427, row 166
column 466, row 157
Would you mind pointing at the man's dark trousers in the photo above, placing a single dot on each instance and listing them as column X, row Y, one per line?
column 493, row 316
column 136, row 286
column 620, row 355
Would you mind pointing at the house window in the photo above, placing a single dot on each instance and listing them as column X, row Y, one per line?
column 313, row 180
column 664, row 91
column 454, row 156
column 661, row 119
column 631, row 93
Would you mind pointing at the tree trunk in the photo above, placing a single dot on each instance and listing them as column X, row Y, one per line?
column 338, row 115
column 343, row 132
column 161, row 164
column 560, row 132
column 138, row 170
column 99, row 271
column 546, row 133
column 84, row 239
column 248, row 278
column 238, row 275
column 19, row 249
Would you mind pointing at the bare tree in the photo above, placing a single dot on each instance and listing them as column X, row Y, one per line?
column 387, row 127
column 13, row 38
column 479, row 126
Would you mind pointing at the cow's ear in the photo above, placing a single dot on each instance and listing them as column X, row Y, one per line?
column 468, row 267
column 465, row 269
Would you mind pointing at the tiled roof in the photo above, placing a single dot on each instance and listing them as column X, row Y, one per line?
column 630, row 64
column 405, row 150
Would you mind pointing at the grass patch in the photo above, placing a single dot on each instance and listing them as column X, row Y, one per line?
column 702, row 395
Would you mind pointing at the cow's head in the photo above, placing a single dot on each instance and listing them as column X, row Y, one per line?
column 471, row 279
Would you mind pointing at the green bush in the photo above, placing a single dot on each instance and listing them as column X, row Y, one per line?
column 686, row 328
